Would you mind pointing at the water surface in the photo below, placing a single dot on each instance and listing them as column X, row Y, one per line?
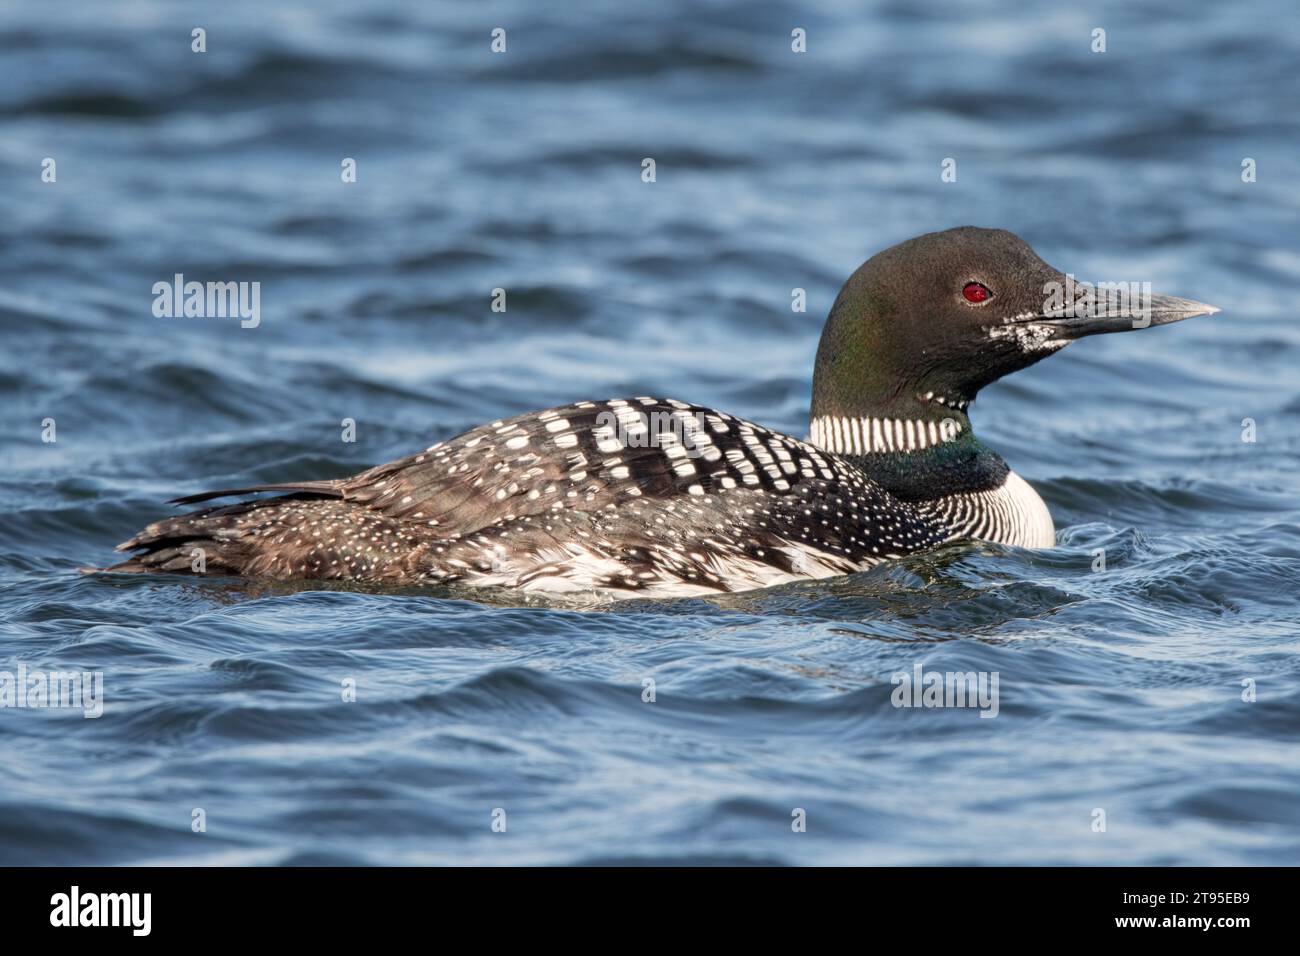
column 1120, row 690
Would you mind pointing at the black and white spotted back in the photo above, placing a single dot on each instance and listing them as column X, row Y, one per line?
column 648, row 496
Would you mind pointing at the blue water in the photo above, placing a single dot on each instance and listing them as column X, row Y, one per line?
column 1121, row 690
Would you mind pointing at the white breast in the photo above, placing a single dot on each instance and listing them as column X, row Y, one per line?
column 1011, row 514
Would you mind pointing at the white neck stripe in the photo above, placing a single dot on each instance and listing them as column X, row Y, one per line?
column 864, row 436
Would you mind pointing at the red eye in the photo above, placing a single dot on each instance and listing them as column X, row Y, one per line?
column 974, row 292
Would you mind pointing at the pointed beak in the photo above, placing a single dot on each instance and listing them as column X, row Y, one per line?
column 1120, row 313
column 1169, row 308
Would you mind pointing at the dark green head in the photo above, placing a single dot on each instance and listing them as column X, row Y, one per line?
column 945, row 314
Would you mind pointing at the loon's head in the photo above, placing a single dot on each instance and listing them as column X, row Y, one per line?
column 921, row 327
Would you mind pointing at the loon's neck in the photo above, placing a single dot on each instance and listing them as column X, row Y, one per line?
column 928, row 455
column 916, row 458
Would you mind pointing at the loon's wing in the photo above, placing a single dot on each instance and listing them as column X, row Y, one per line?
column 582, row 457
column 642, row 456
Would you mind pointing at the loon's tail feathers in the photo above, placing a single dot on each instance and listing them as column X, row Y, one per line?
column 211, row 541
column 305, row 535
column 215, row 540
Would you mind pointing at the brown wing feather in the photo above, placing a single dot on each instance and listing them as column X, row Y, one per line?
column 329, row 489
column 510, row 467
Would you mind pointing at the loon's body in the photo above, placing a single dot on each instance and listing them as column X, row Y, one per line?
column 558, row 501
column 664, row 498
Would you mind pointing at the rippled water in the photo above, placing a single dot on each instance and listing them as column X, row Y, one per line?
column 1120, row 690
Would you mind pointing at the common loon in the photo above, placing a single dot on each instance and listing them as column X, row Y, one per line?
column 653, row 497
